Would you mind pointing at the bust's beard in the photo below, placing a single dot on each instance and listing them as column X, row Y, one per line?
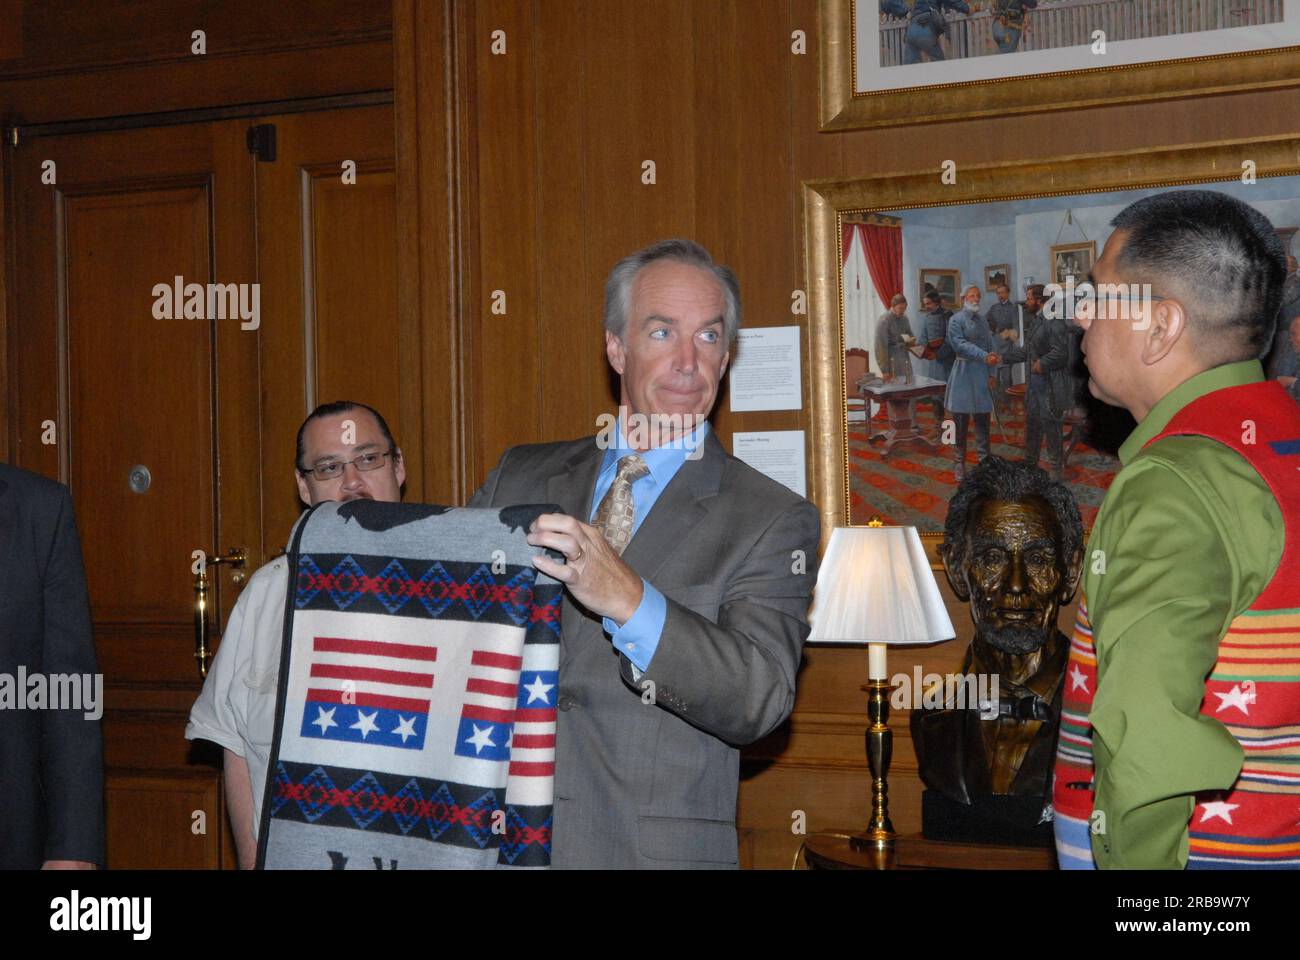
column 1014, row 639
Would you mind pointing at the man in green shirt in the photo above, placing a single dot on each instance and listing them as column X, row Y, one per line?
column 1189, row 534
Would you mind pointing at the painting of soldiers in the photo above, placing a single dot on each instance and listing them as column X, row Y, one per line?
column 922, row 31
column 1011, row 358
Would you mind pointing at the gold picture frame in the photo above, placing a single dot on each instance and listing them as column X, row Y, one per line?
column 842, row 108
column 825, row 202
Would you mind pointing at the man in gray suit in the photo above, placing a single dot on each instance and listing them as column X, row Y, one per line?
column 687, row 593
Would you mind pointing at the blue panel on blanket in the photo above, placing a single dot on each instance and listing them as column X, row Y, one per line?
column 415, row 725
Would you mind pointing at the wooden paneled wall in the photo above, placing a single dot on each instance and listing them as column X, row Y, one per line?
column 711, row 91
column 76, row 59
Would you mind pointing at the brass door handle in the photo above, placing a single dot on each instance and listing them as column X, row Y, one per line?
column 235, row 559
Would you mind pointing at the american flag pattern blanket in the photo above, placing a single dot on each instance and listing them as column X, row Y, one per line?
column 415, row 721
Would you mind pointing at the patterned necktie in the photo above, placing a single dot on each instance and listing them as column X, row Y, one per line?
column 617, row 511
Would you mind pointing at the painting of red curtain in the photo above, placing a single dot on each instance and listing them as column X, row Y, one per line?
column 882, row 245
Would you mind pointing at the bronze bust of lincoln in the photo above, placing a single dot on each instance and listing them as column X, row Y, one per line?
column 1013, row 549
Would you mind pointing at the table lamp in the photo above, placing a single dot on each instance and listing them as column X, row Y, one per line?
column 875, row 586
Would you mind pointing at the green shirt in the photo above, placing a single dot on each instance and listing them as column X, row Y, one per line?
column 1186, row 539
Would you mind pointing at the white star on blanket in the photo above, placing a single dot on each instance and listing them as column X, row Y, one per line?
column 482, row 738
column 325, row 719
column 1218, row 808
column 1078, row 679
column 365, row 723
column 1236, row 697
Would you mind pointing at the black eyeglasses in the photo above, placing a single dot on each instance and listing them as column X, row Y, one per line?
column 333, row 468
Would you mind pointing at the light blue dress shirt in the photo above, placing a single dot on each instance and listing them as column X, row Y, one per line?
column 638, row 638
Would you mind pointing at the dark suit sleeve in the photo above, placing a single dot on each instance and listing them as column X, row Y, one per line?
column 484, row 495
column 735, row 678
column 72, row 762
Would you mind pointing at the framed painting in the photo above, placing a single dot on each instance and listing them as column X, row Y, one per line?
column 996, row 276
column 894, row 62
column 1072, row 260
column 856, row 472
column 943, row 282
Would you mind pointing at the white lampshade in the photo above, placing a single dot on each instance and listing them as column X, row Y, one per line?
column 875, row 585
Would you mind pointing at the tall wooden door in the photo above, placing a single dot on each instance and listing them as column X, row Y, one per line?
column 327, row 251
column 175, row 432
column 145, row 413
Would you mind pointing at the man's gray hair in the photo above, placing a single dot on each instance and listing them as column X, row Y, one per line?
column 618, row 288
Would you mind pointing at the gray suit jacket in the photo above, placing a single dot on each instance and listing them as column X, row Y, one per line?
column 51, row 761
column 654, row 784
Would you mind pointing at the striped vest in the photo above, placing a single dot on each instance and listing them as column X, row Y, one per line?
column 1254, row 687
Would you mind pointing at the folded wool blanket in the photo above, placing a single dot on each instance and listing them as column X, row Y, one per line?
column 415, row 720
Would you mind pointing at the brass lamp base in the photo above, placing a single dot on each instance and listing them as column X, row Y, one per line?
column 866, row 842
column 879, row 835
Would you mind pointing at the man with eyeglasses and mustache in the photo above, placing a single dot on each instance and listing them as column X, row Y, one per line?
column 345, row 451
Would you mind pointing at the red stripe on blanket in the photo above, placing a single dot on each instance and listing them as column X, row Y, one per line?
column 368, row 700
column 473, row 711
column 535, row 715
column 533, row 741
column 520, row 768
column 339, row 671
column 496, row 688
column 482, row 658
column 376, row 648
